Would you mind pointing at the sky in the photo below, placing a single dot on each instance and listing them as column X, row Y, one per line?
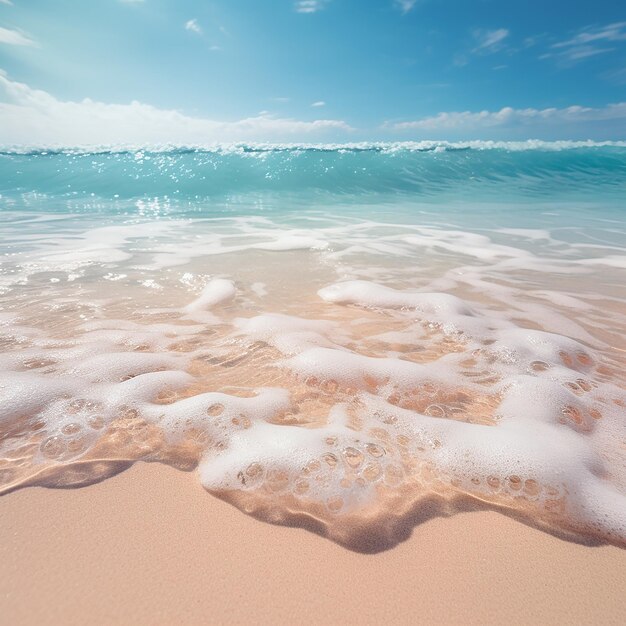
column 74, row 72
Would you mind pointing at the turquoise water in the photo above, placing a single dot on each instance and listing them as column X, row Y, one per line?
column 579, row 189
column 200, row 181
column 338, row 332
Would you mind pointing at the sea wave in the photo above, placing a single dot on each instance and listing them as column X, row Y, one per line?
column 363, row 146
column 317, row 173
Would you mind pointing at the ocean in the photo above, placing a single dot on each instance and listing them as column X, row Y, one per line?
column 343, row 333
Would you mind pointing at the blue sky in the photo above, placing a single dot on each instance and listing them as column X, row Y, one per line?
column 309, row 70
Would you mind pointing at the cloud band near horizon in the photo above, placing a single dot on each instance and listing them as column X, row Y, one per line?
column 508, row 116
column 33, row 117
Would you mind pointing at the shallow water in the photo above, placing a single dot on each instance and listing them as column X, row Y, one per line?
column 342, row 335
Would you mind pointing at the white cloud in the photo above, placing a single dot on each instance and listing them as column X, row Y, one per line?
column 617, row 76
column 584, row 44
column 309, row 6
column 405, row 5
column 14, row 37
column 508, row 117
column 5, row 2
column 610, row 32
column 577, row 53
column 489, row 41
column 193, row 26
column 486, row 42
column 529, row 42
column 36, row 118
column 319, row 103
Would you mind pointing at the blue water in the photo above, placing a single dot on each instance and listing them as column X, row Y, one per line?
column 248, row 179
column 366, row 271
column 574, row 190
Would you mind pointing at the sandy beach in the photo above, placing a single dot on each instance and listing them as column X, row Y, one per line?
column 312, row 312
column 149, row 546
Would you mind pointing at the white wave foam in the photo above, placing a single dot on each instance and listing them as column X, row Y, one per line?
column 261, row 147
column 215, row 292
column 337, row 404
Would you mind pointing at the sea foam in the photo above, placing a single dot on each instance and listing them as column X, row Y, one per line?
column 325, row 334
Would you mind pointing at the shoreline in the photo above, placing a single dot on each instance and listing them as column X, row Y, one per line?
column 151, row 546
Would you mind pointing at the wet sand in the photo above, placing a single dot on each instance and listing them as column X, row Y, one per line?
column 149, row 546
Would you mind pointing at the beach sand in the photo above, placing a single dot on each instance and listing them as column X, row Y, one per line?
column 150, row 546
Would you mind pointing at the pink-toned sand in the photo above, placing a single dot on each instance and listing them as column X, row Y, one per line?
column 149, row 546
